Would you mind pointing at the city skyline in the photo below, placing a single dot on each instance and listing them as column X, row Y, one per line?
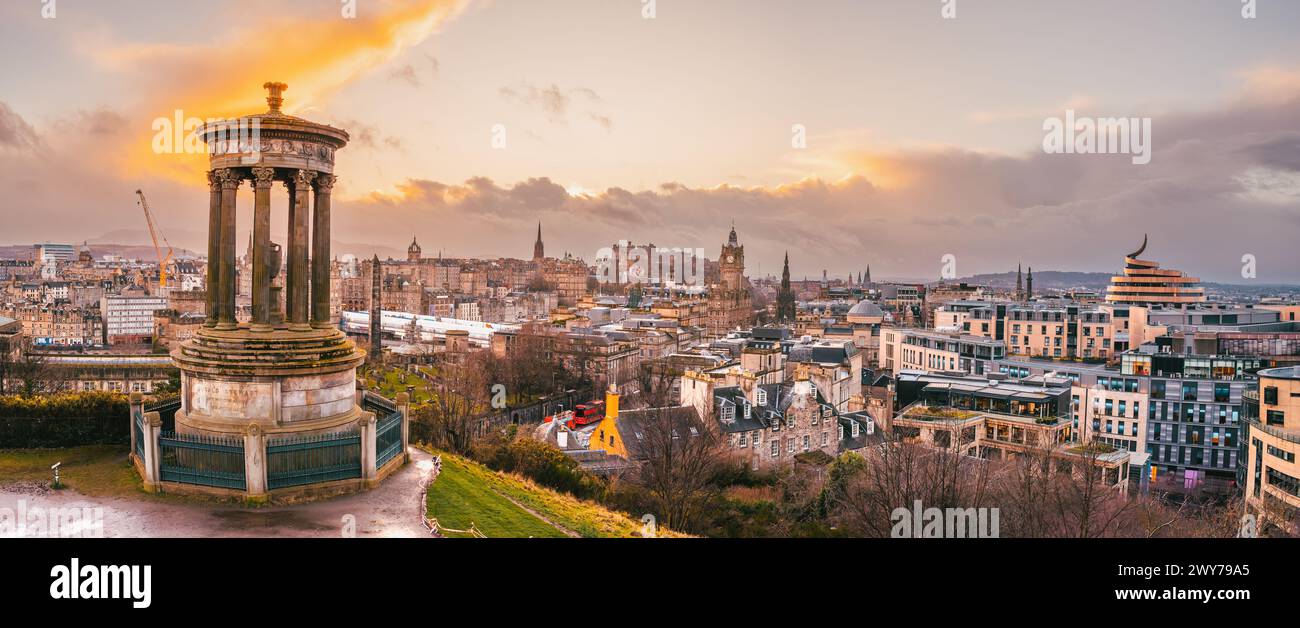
column 642, row 142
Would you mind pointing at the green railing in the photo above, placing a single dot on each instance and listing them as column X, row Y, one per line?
column 166, row 411
column 137, row 424
column 388, row 438
column 313, row 459
column 202, row 460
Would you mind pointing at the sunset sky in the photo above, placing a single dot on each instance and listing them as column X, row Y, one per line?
column 924, row 134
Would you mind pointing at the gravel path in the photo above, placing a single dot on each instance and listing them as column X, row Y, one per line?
column 388, row 511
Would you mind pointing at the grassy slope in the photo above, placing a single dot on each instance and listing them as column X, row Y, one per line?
column 95, row 470
column 588, row 519
column 458, row 499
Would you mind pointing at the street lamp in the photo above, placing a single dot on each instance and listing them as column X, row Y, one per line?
column 57, row 484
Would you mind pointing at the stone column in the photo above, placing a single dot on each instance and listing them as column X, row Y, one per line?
column 299, row 205
column 263, row 178
column 255, row 463
column 368, row 453
column 152, row 472
column 214, row 247
column 230, row 181
column 320, row 253
column 404, row 405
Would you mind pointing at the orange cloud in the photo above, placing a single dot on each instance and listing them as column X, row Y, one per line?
column 223, row 78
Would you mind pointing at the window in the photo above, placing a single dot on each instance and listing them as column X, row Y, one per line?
column 1275, row 418
column 805, row 442
column 826, row 439
column 789, row 445
column 743, row 440
column 1278, row 453
column 776, row 449
column 855, row 428
column 1284, row 482
column 1270, row 395
column 761, row 397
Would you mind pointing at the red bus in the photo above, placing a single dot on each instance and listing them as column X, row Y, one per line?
column 588, row 413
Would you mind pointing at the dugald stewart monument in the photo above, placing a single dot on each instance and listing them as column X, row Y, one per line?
column 283, row 383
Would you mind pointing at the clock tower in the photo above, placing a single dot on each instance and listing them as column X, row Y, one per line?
column 730, row 305
column 731, row 265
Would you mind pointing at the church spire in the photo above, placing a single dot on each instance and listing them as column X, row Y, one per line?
column 539, row 251
column 785, row 298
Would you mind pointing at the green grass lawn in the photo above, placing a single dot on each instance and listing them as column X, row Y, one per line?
column 458, row 498
column 391, row 384
column 585, row 518
column 95, row 470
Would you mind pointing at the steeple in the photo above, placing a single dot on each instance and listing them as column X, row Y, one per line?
column 539, row 252
column 1020, row 281
column 1029, row 284
column 413, row 252
column 785, row 298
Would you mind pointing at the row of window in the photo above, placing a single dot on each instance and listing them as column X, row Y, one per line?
column 1195, row 456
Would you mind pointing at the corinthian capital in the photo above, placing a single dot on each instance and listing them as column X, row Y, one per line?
column 214, row 181
column 304, row 178
column 229, row 179
column 263, row 177
column 325, row 183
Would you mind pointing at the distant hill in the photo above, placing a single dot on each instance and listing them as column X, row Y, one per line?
column 143, row 252
column 1066, row 280
column 1045, row 280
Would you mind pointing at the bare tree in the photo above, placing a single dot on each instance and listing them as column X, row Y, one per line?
column 460, row 395
column 655, row 383
column 679, row 462
column 25, row 371
column 898, row 472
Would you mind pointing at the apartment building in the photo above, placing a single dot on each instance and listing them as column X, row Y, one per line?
column 927, row 350
column 129, row 319
column 1048, row 329
column 1272, row 437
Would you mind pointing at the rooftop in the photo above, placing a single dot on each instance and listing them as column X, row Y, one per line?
column 1285, row 372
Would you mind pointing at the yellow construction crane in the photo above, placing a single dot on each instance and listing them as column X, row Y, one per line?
column 154, row 233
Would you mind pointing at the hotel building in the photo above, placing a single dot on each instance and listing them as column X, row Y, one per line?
column 1145, row 283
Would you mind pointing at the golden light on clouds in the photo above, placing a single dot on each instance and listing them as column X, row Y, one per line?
column 223, row 78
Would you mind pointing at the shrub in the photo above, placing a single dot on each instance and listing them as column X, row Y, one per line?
column 65, row 420
column 539, row 462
